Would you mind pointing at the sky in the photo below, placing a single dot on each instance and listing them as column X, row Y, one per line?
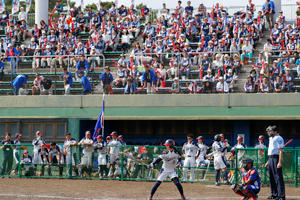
column 156, row 4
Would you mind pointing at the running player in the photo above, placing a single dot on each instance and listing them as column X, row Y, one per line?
column 171, row 160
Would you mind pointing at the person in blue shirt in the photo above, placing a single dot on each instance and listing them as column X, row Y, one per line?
column 82, row 65
column 274, row 163
column 68, row 81
column 12, row 54
column 189, row 9
column 250, row 181
column 268, row 11
column 149, row 79
column 59, row 7
column 1, row 70
column 19, row 82
column 87, row 88
column 106, row 79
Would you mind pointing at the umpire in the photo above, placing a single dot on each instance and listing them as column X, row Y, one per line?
column 275, row 153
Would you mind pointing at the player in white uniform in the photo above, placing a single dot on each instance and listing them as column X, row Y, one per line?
column 240, row 153
column 171, row 160
column 16, row 151
column 261, row 152
column 219, row 163
column 101, row 148
column 44, row 159
column 56, row 157
column 201, row 160
column 190, row 152
column 36, row 146
column 70, row 153
column 86, row 159
column 113, row 152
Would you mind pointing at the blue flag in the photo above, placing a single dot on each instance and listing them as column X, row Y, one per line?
column 100, row 123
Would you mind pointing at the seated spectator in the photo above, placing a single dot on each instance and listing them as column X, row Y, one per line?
column 86, row 85
column 130, row 87
column 12, row 54
column 279, row 85
column 230, row 79
column 37, row 84
column 247, row 52
column 20, row 82
column 222, row 86
column 48, row 59
column 60, row 57
column 265, row 86
column 254, row 76
column 161, row 74
column 207, row 87
column 1, row 70
column 23, row 31
column 175, row 86
column 94, row 59
column 193, row 87
column 209, row 76
column 149, row 79
column 125, row 40
column 47, row 86
column 68, row 80
column 106, row 79
column 249, row 85
column 173, row 70
column 185, row 65
column 121, row 76
column 83, row 66
column 289, row 80
column 36, row 59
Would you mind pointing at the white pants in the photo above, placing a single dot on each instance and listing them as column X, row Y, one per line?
column 189, row 162
column 86, row 159
column 68, row 159
column 219, row 163
column 112, row 158
column 102, row 159
column 36, row 157
column 202, row 162
column 163, row 175
column 67, row 89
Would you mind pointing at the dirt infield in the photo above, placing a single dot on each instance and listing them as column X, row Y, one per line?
column 34, row 189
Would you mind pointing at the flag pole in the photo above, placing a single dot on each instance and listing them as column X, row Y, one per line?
column 103, row 113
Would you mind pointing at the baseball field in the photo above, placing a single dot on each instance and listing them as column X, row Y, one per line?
column 40, row 189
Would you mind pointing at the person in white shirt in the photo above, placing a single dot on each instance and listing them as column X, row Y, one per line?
column 125, row 40
column 69, row 152
column 22, row 15
column 268, row 48
column 114, row 147
column 86, row 159
column 36, row 147
column 190, row 152
column 247, row 51
column 222, row 86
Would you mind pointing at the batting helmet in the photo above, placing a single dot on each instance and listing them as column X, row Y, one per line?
column 247, row 161
column 170, row 143
column 217, row 138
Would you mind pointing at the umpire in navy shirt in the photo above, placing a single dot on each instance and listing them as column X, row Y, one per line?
column 275, row 153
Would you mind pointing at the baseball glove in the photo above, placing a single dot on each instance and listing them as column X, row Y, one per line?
column 237, row 188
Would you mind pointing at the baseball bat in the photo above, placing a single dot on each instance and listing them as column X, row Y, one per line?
column 288, row 142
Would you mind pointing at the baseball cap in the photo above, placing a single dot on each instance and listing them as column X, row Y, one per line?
column 18, row 134
column 114, row 133
column 261, row 137
column 199, row 137
column 32, row 39
column 239, row 138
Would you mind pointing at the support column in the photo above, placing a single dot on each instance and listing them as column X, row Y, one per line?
column 277, row 4
column 41, row 11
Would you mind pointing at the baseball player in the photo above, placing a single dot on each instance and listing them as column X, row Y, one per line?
column 16, row 151
column 260, row 144
column 219, row 162
column 113, row 151
column 171, row 160
column 121, row 139
column 101, row 148
column 56, row 157
column 36, row 146
column 44, row 159
column 26, row 163
column 70, row 153
column 250, row 181
column 261, row 152
column 190, row 152
column 86, row 159
column 241, row 153
column 201, row 161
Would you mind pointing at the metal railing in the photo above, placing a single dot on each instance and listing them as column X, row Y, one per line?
column 131, row 162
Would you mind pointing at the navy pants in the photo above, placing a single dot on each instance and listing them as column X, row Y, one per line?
column 276, row 178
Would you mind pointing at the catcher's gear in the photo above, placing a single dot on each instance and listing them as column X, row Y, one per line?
column 237, row 188
column 270, row 130
column 217, row 138
column 243, row 191
column 247, row 161
column 170, row 143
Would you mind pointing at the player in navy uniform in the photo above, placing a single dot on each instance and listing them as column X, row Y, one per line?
column 275, row 153
column 171, row 160
column 250, row 183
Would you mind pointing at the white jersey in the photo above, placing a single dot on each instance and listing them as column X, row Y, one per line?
column 87, row 149
column 170, row 160
column 17, row 142
column 101, row 147
column 261, row 146
column 37, row 143
column 67, row 146
column 202, row 149
column 190, row 149
column 217, row 149
column 114, row 147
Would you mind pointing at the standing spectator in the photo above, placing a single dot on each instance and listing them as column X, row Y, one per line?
column 269, row 10
column 87, row 88
column 22, row 15
column 19, row 82
column 47, row 86
column 249, row 85
column 82, row 66
column 12, row 54
column 68, row 81
column 36, row 58
column 37, row 87
column 125, row 40
column 149, row 79
column 268, row 48
column 7, row 156
column 1, row 70
column 106, row 79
